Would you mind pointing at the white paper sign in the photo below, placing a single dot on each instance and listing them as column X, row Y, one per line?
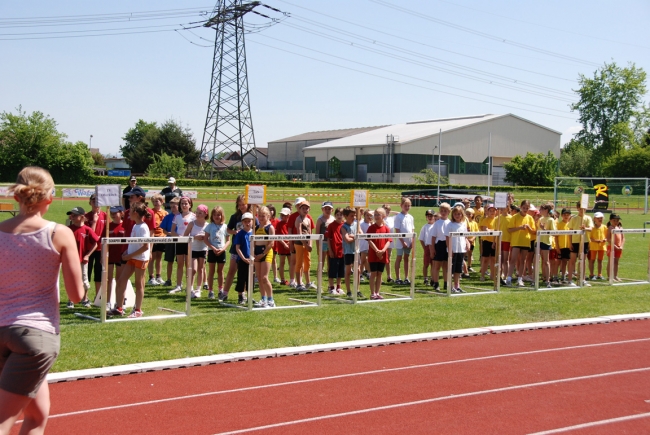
column 108, row 195
column 501, row 199
column 255, row 194
column 359, row 198
column 584, row 200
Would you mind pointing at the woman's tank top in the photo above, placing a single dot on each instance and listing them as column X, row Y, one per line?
column 29, row 280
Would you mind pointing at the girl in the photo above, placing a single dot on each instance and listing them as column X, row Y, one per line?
column 472, row 226
column 96, row 220
column 263, row 252
column 377, row 257
column 530, row 268
column 459, row 247
column 520, row 228
column 504, row 222
column 196, row 229
column 363, row 243
column 115, row 229
column 488, row 246
column 425, row 241
column 274, row 221
column 157, row 250
column 438, row 247
column 217, row 241
column 181, row 222
column 389, row 221
column 282, row 246
column 242, row 245
column 547, row 223
column 86, row 244
column 303, row 248
column 619, row 242
column 322, row 223
column 137, row 258
column 234, row 225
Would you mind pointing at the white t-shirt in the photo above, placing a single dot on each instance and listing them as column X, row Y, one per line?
column 403, row 223
column 440, row 231
column 458, row 244
column 425, row 234
column 183, row 221
column 390, row 223
column 198, row 230
column 139, row 230
column 363, row 243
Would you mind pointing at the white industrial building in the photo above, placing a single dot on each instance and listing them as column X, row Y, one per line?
column 395, row 153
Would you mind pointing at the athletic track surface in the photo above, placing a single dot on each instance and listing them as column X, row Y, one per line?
column 592, row 379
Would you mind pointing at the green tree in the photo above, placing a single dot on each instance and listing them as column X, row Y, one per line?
column 147, row 139
column 429, row 177
column 34, row 140
column 634, row 162
column 98, row 159
column 574, row 159
column 167, row 166
column 610, row 106
column 532, row 169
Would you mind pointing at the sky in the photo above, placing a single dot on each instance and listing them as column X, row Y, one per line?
column 98, row 67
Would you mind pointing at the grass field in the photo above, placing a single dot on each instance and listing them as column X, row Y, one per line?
column 213, row 328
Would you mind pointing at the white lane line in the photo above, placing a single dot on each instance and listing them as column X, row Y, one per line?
column 435, row 399
column 347, row 375
column 593, row 423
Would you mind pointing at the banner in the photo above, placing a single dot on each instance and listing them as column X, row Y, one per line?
column 359, row 198
column 602, row 195
column 255, row 194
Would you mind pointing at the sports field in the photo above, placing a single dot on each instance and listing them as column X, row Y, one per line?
column 213, row 328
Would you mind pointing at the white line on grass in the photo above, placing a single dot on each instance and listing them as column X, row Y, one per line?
column 593, row 423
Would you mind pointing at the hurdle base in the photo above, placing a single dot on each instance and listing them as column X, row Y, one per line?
column 86, row 316
column 342, row 300
column 631, row 282
column 127, row 319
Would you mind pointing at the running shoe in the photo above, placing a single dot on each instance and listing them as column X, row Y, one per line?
column 520, row 282
column 389, row 280
column 270, row 303
column 406, row 282
column 285, row 282
column 176, row 289
column 301, row 288
column 168, row 283
column 600, row 278
column 333, row 291
column 210, row 294
column 241, row 300
column 360, row 295
column 260, row 304
column 586, row 284
column 339, row 291
column 70, row 305
column 276, row 280
column 196, row 294
column 527, row 279
column 293, row 285
column 312, row 285
column 348, row 294
column 464, row 275
column 460, row 290
column 426, row 281
column 86, row 303
column 549, row 285
column 573, row 284
column 135, row 314
column 223, row 297
column 398, row 282
column 205, row 286
column 152, row 281
column 470, row 270
column 160, row 281
column 116, row 312
column 362, row 279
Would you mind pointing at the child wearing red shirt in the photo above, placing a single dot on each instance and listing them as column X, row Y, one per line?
column 336, row 263
column 377, row 253
column 96, row 220
column 86, row 240
column 282, row 246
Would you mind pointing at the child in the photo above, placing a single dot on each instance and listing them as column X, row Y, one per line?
column 580, row 222
column 530, row 268
column 504, row 222
column 136, row 257
column 321, row 227
column 242, row 243
column 348, row 231
column 377, row 256
column 234, row 225
column 520, row 228
column 274, row 221
column 564, row 245
column 425, row 242
column 86, row 244
column 336, row 267
column 488, row 244
column 115, row 229
column 157, row 250
column 403, row 223
column 170, row 248
column 181, row 222
column 459, row 247
column 263, row 252
column 363, row 243
column 217, row 240
column 597, row 246
column 438, row 247
column 303, row 225
column 472, row 227
column 96, row 220
column 619, row 242
column 282, row 246
column 546, row 223
column 196, row 229
column 389, row 222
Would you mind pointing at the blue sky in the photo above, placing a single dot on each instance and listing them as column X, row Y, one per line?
column 319, row 69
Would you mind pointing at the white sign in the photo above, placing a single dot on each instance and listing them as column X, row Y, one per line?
column 584, row 200
column 255, row 194
column 108, row 195
column 359, row 198
column 78, row 192
column 501, row 200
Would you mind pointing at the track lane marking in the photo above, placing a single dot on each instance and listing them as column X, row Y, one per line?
column 593, row 423
column 343, row 376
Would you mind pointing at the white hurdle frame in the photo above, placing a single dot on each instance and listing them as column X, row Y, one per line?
column 497, row 265
column 581, row 260
column 615, row 231
column 290, row 237
column 129, row 240
column 395, row 297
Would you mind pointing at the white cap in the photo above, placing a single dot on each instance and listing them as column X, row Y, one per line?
column 247, row 215
column 532, row 208
column 171, row 180
column 598, row 215
column 459, row 203
column 299, row 200
column 285, row 211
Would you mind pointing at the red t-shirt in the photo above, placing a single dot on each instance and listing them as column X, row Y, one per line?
column 128, row 224
column 85, row 238
column 281, row 228
column 335, row 239
column 100, row 228
column 379, row 243
column 292, row 222
column 115, row 251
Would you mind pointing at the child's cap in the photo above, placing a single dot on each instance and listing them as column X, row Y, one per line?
column 614, row 216
column 299, row 200
column 532, row 208
column 459, row 203
column 119, row 208
column 491, row 206
column 171, row 180
column 132, row 178
column 428, row 212
column 599, row 215
column 285, row 211
column 327, row 204
column 92, row 197
column 202, row 208
column 566, row 211
column 247, row 215
column 515, row 208
column 77, row 211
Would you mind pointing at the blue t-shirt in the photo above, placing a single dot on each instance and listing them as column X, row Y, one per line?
column 166, row 223
column 243, row 239
column 217, row 234
column 348, row 248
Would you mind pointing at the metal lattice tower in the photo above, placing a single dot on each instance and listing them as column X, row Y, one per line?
column 228, row 123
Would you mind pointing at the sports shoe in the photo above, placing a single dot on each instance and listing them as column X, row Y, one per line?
column 223, row 296
column 241, row 300
column 70, row 305
column 470, row 270
column 600, row 278
column 293, row 285
column 397, row 282
column 86, row 303
column 196, row 294
column 390, row 280
column 339, row 291
column 586, row 284
column 520, row 282
column 152, row 281
column 508, row 282
column 360, row 295
column 159, row 280
column 366, row 274
column 406, row 282
column 573, row 284
column 549, row 285
column 210, row 294
column 135, row 314
column 260, row 304
column 460, row 290
column 285, row 282
column 453, row 290
column 116, row 312
column 362, row 279
column 312, row 285
column 426, row 281
column 270, row 303
column 176, row 289
column 333, row 291
column 301, row 288
column 591, row 278
column 276, row 280
column 348, row 294
column 527, row 279
column 464, row 275
column 168, row 283
column 205, row 286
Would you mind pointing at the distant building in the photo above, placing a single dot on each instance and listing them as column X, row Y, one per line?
column 116, row 163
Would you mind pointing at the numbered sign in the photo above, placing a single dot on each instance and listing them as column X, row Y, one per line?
column 255, row 194
column 584, row 200
column 501, row 200
column 108, row 195
column 359, row 198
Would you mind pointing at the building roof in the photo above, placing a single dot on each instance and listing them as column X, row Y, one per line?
column 327, row 134
column 263, row 151
column 411, row 131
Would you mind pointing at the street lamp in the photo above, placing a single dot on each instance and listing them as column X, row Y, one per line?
column 90, row 142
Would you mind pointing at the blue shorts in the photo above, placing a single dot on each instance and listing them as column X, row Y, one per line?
column 405, row 251
column 325, row 247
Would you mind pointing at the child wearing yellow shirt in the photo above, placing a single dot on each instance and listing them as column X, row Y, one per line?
column 488, row 247
column 521, row 227
column 597, row 246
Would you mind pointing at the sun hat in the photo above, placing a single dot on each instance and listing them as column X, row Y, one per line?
column 77, row 211
column 599, row 215
column 532, row 208
column 491, row 206
column 247, row 215
column 171, row 180
column 298, row 200
column 285, row 211
column 459, row 203
column 116, row 209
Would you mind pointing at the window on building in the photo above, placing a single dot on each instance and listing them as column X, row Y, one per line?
column 334, row 168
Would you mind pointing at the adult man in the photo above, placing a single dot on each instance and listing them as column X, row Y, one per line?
column 125, row 198
column 170, row 192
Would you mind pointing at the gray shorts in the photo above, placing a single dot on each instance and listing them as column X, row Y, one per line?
column 26, row 355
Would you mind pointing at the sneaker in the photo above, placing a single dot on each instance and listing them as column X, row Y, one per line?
column 116, row 312
column 487, row 272
column 196, row 294
column 348, row 294
column 390, row 280
column 176, row 289
column 549, row 285
column 86, row 303
column 366, row 274
column 312, row 285
column 333, row 291
column 223, row 297
column 508, row 282
column 205, row 286
column 152, row 281
column 573, row 284
column 426, row 281
column 600, row 278
column 285, row 282
column 276, row 280
column 260, row 304
column 339, row 291
column 360, row 295
column 520, row 282
column 586, row 284
column 301, row 288
column 470, row 270
column 445, row 286
column 527, row 279
column 135, row 314
column 168, row 283
column 70, row 305
column 241, row 300
column 293, row 285
column 460, row 290
column 362, row 279
column 109, row 307
column 270, row 303
column 210, row 294
column 453, row 291
column 482, row 279
column 406, row 282
column 159, row 280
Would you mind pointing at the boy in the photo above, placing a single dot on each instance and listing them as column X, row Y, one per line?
column 159, row 214
column 170, row 248
column 348, row 230
column 86, row 244
column 292, row 230
column 377, row 257
column 597, row 246
column 425, row 241
column 579, row 222
column 303, row 225
column 96, row 220
column 488, row 247
column 438, row 247
column 242, row 242
column 336, row 267
column 403, row 223
column 504, row 222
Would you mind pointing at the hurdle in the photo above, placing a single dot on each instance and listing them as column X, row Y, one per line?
column 615, row 231
column 497, row 272
column 580, row 260
column 393, row 296
column 129, row 240
column 289, row 237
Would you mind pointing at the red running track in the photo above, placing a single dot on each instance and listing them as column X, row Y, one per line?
column 595, row 377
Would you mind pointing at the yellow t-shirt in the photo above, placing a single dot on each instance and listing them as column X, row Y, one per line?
column 479, row 213
column 599, row 233
column 563, row 242
column 504, row 223
column 576, row 222
column 472, row 227
column 521, row 238
column 490, row 224
column 546, row 224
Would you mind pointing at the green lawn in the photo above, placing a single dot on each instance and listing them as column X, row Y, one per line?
column 213, row 329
